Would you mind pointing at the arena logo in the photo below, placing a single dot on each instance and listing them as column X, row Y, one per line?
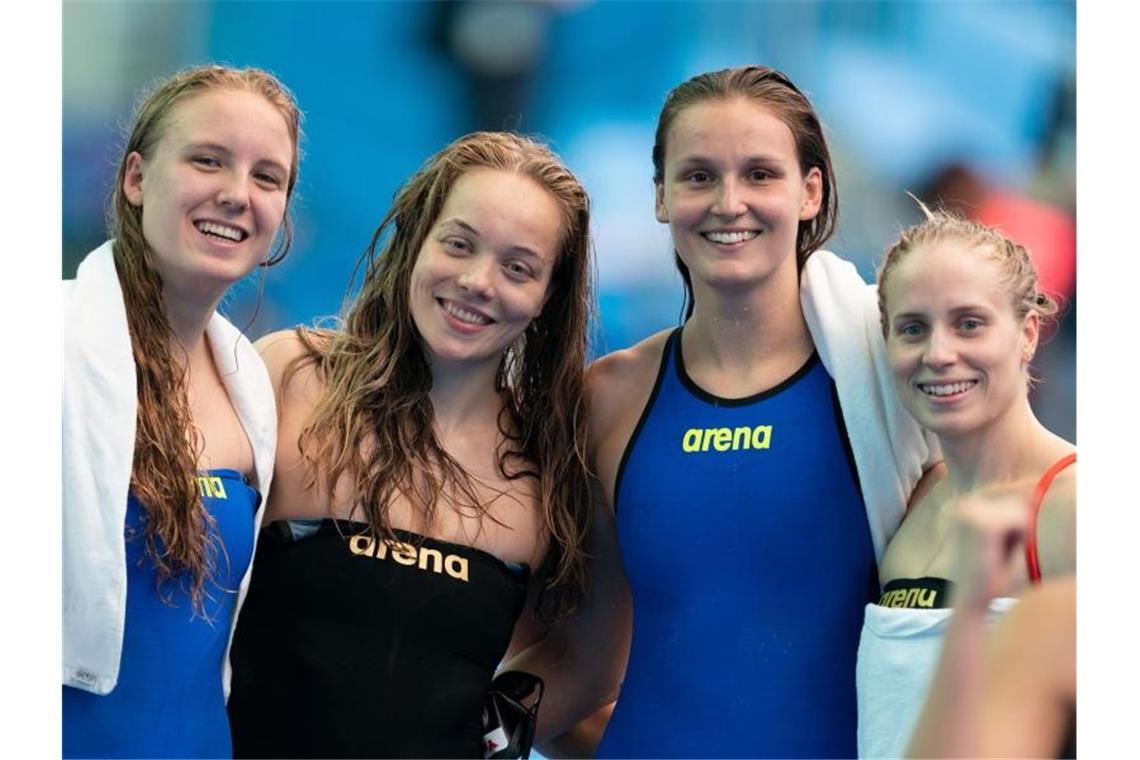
column 910, row 597
column 410, row 555
column 726, row 439
column 211, row 486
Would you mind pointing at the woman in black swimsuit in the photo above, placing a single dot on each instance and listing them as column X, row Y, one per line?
column 430, row 454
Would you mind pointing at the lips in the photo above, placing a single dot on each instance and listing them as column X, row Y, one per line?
column 943, row 389
column 729, row 237
column 463, row 314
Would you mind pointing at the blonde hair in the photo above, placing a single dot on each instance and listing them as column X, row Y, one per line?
column 180, row 534
column 377, row 378
column 1019, row 277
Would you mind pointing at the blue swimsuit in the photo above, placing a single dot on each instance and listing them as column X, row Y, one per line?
column 168, row 701
column 749, row 556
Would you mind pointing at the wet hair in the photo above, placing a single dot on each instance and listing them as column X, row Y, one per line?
column 776, row 92
column 180, row 534
column 374, row 420
column 1018, row 275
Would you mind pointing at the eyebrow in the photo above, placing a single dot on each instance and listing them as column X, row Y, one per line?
column 957, row 310
column 457, row 222
column 698, row 158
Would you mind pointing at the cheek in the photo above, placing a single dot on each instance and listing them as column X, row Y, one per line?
column 902, row 360
column 682, row 210
column 274, row 213
column 422, row 271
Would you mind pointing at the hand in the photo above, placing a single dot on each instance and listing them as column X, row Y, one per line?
column 990, row 527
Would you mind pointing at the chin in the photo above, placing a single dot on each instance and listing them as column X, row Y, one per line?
column 951, row 425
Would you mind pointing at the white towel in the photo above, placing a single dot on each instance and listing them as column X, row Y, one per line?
column 891, row 450
column 899, row 649
column 99, row 409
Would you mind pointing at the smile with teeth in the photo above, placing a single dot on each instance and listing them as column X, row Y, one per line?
column 463, row 315
column 728, row 238
column 946, row 389
column 224, row 231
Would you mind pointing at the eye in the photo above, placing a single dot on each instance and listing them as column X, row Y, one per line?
column 268, row 180
column 698, row 177
column 457, row 246
column 970, row 324
column 910, row 330
column 206, row 162
column 519, row 270
column 759, row 175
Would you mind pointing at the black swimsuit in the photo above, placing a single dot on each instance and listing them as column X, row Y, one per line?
column 349, row 647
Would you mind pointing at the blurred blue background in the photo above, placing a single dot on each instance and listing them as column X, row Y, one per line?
column 969, row 102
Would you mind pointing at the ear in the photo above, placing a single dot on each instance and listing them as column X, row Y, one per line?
column 133, row 179
column 1030, row 332
column 659, row 209
column 813, row 194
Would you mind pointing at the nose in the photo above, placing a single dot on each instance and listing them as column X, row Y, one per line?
column 940, row 350
column 729, row 201
column 477, row 277
column 234, row 192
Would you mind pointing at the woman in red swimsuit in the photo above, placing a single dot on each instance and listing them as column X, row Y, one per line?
column 961, row 314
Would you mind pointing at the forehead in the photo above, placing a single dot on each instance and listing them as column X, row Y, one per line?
column 727, row 127
column 506, row 209
column 233, row 118
column 946, row 274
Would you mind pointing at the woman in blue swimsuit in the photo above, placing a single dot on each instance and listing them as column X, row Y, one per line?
column 754, row 460
column 169, row 422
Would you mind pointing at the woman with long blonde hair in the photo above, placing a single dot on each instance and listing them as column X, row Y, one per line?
column 169, row 425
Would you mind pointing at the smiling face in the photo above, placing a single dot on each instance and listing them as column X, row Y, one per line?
column 733, row 194
column 213, row 191
column 483, row 271
column 957, row 348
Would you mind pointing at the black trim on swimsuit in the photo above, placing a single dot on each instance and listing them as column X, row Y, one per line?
column 710, row 398
column 673, row 338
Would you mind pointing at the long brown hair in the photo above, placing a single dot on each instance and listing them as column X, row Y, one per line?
column 180, row 533
column 776, row 92
column 375, row 418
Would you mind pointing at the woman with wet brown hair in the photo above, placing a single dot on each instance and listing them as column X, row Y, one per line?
column 169, row 425
column 431, row 454
column 754, row 460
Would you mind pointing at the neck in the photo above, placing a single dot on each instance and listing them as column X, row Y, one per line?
column 188, row 317
column 747, row 327
column 461, row 399
column 1006, row 450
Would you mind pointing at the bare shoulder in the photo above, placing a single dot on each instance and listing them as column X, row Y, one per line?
column 621, row 377
column 618, row 387
column 277, row 350
column 1060, row 500
column 1057, row 525
column 296, row 382
column 1063, row 490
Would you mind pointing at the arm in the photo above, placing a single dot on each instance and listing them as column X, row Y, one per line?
column 296, row 393
column 1006, row 694
column 582, row 658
